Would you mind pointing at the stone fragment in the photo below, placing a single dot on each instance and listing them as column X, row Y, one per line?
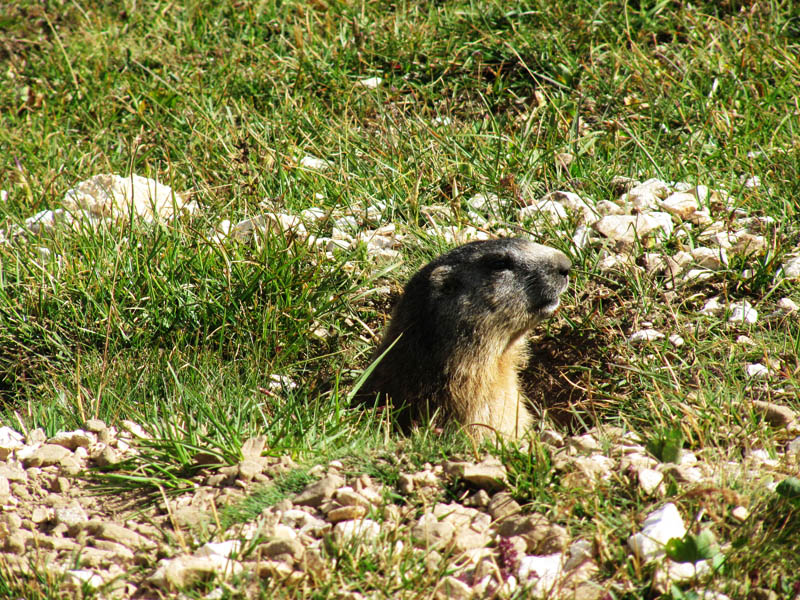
column 269, row 223
column 490, row 474
column 786, row 306
column 113, row 196
column 710, row 258
column 548, row 210
column 117, row 533
column 370, row 82
column 680, row 204
column 347, row 496
column 314, row 163
column 541, row 573
column 712, row 307
column 776, row 415
column 628, row 228
column 585, row 443
column 676, row 340
column 319, row 491
column 78, row 578
column 71, row 465
column 225, row 549
column 95, row 425
column 346, row 513
column 503, row 505
column 182, row 571
column 277, row 547
column 452, row 588
column 743, row 312
column 791, row 268
column 645, row 335
column 432, row 532
column 44, row 456
column 10, row 440
column 72, row 439
column 254, row 446
column 605, row 207
column 740, row 513
column 72, row 515
column 5, row 490
column 748, row 244
column 658, row 528
column 483, row 202
column 104, row 455
column 650, row 481
column 756, row 371
column 365, row 530
column 249, row 468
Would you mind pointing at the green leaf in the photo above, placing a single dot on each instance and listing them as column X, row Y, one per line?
column 789, row 488
column 666, row 445
column 693, row 547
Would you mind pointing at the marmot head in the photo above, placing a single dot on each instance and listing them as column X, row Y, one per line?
column 454, row 342
column 499, row 285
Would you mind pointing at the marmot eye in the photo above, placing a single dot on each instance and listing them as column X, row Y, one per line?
column 498, row 262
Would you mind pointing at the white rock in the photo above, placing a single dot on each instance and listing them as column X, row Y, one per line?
column 442, row 121
column 701, row 217
column 791, row 268
column 710, row 258
column 280, row 382
column 680, row 204
column 574, row 203
column 626, row 228
column 224, row 549
column 756, row 370
column 748, row 243
column 278, row 223
column 542, row 573
column 483, row 202
column 654, row 186
column 697, row 275
column 114, row 196
column 712, row 307
column 787, row 305
column 605, row 207
column 313, row 215
column 674, row 572
column 81, row 577
column 550, row 210
column 47, row 220
column 650, row 480
column 645, row 335
column 612, row 261
column 743, row 312
column 659, row 527
column 312, row 162
column 641, row 201
column 370, row 83
column 676, row 340
column 184, row 570
column 10, row 440
column 740, row 513
column 3, row 196
column 750, row 182
column 364, row 530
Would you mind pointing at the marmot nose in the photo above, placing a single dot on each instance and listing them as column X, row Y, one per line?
column 563, row 266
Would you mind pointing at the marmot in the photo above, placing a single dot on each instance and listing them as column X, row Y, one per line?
column 457, row 336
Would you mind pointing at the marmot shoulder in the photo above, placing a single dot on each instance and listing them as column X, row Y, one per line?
column 457, row 336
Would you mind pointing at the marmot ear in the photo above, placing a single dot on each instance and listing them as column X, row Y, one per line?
column 440, row 278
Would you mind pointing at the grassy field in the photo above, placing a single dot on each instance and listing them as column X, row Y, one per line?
column 164, row 325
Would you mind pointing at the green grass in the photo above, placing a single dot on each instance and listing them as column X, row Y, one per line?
column 163, row 325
